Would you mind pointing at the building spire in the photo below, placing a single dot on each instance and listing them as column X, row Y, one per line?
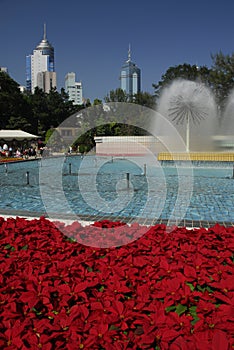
column 44, row 36
column 129, row 52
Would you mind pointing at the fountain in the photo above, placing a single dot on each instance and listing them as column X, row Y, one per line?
column 191, row 108
column 137, row 189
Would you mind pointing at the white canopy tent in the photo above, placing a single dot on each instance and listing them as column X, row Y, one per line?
column 19, row 135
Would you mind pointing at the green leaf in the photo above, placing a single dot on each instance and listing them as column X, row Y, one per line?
column 101, row 289
column 201, row 289
column 25, row 247
column 113, row 328
column 180, row 309
column 8, row 246
column 195, row 320
column 193, row 312
column 170, row 308
column 72, row 240
column 191, row 286
column 36, row 311
column 89, row 268
column 209, row 289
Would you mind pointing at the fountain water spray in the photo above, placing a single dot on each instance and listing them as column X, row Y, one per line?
column 192, row 104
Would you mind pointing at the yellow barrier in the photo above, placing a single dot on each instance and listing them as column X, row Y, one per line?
column 198, row 156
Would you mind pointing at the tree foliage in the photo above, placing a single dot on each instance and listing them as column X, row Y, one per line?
column 14, row 107
column 117, row 95
column 219, row 78
column 35, row 113
column 183, row 71
column 222, row 76
column 141, row 98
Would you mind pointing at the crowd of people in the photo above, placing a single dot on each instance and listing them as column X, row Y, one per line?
column 17, row 152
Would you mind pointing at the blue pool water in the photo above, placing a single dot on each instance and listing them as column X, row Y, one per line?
column 99, row 187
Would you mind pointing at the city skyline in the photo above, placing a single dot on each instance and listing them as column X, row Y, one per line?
column 91, row 39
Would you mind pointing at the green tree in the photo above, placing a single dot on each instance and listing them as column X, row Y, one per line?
column 55, row 140
column 35, row 113
column 145, row 99
column 97, row 102
column 59, row 108
column 14, row 108
column 19, row 123
column 117, row 95
column 40, row 111
column 222, row 77
column 184, row 71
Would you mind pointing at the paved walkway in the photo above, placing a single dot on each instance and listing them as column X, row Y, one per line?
column 89, row 219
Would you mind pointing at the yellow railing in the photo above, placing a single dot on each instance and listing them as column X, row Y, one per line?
column 198, row 156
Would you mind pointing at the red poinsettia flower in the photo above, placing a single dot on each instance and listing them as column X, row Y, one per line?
column 12, row 337
column 168, row 288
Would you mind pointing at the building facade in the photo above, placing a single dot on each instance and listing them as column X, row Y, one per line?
column 46, row 80
column 40, row 68
column 73, row 89
column 130, row 77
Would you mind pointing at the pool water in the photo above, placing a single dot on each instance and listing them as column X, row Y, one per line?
column 98, row 187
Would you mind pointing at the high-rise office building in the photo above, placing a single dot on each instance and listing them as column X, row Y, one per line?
column 73, row 89
column 46, row 80
column 130, row 77
column 40, row 70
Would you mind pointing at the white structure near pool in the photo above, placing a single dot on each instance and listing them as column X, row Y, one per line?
column 127, row 145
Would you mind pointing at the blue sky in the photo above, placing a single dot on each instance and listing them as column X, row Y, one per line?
column 91, row 38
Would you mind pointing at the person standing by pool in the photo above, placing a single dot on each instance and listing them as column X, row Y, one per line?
column 18, row 154
column 5, row 149
column 10, row 151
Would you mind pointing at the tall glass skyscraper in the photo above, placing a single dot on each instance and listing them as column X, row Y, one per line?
column 40, row 66
column 130, row 77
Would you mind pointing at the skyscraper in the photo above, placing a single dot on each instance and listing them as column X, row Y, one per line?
column 40, row 69
column 130, row 77
column 73, row 89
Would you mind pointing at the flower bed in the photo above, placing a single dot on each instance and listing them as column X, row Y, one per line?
column 166, row 290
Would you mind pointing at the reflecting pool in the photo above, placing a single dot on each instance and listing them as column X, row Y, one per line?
column 98, row 187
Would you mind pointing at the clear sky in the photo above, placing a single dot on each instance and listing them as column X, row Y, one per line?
column 91, row 38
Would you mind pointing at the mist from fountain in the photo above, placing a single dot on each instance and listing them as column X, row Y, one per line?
column 227, row 121
column 186, row 101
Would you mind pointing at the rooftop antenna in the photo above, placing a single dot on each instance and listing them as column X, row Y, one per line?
column 44, row 36
column 129, row 52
